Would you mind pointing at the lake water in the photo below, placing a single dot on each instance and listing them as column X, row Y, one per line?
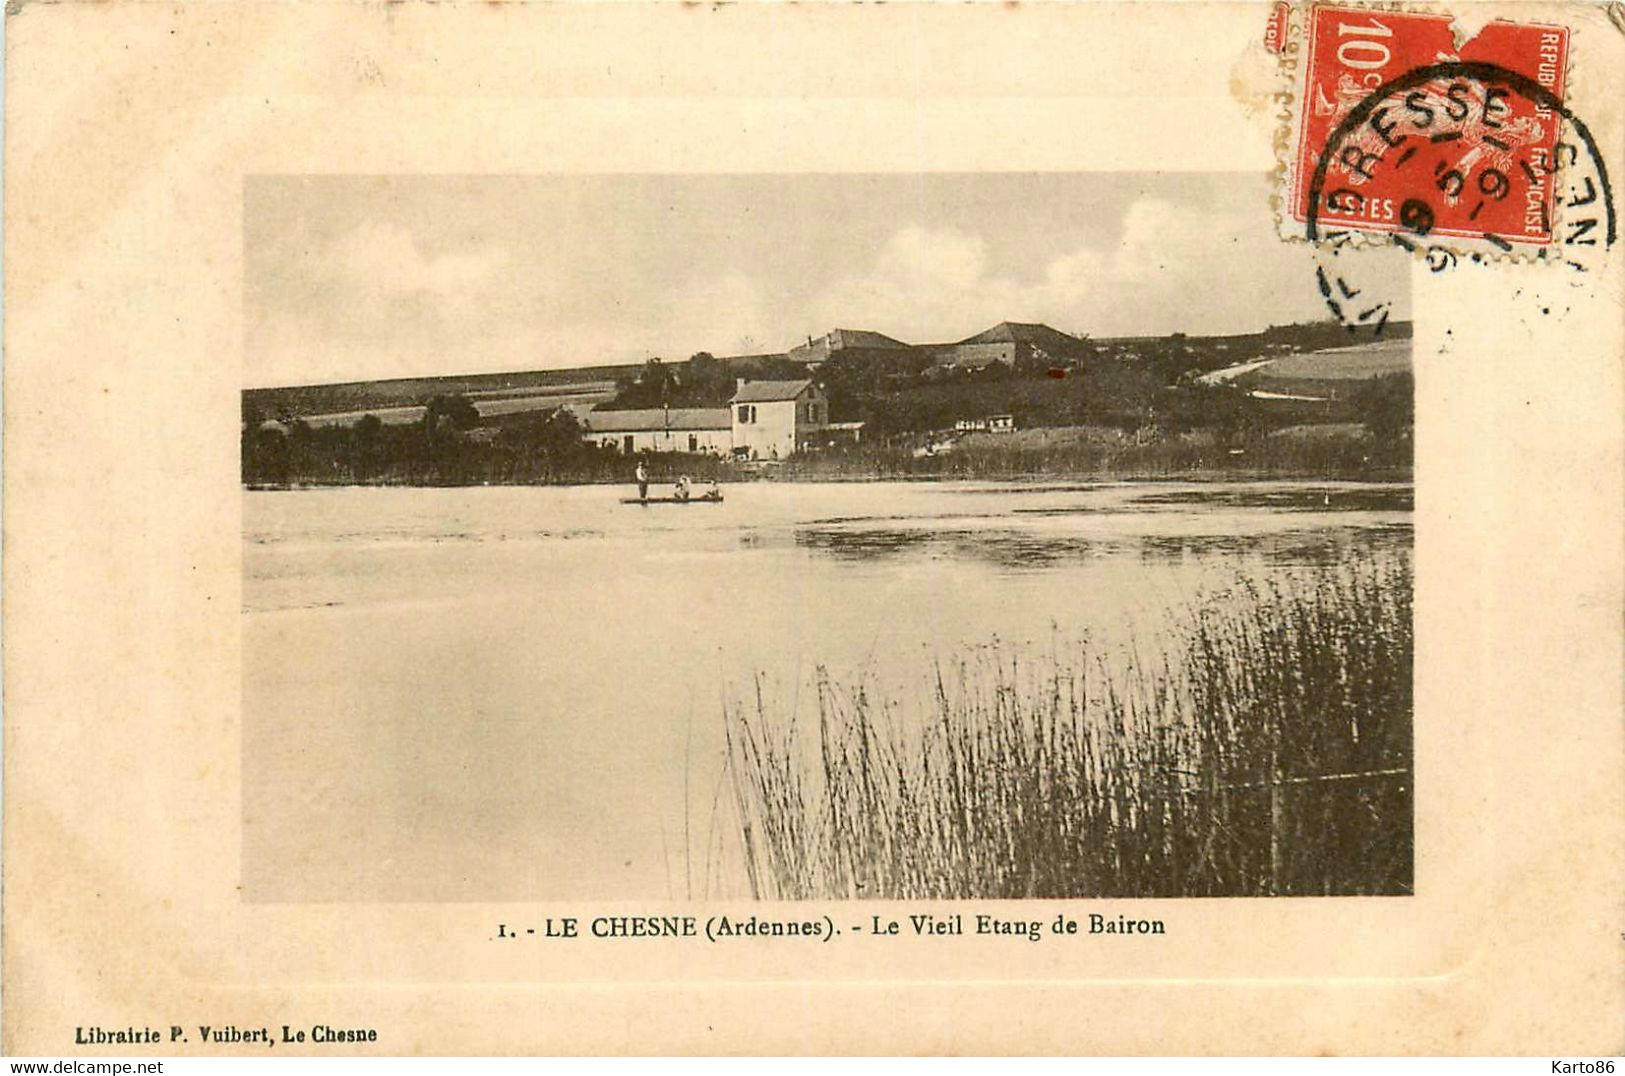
column 517, row 693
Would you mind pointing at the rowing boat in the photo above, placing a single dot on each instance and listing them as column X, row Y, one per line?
column 671, row 500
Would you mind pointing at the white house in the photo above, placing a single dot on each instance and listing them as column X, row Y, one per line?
column 763, row 420
column 663, row 429
column 775, row 419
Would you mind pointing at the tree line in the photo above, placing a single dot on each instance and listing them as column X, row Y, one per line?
column 448, row 445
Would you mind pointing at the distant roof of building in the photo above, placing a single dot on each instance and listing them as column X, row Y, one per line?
column 660, row 418
column 1024, row 332
column 845, row 339
column 770, row 391
column 866, row 338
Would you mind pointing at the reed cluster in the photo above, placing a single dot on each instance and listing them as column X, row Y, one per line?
column 1258, row 744
column 1341, row 454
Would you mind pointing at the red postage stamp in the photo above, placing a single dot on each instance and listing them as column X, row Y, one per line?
column 1402, row 127
column 1276, row 29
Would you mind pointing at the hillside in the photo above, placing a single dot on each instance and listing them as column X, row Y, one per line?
column 900, row 388
column 362, row 396
column 1316, row 375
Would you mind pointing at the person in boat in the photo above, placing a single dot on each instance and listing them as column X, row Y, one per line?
column 681, row 492
column 642, row 475
column 713, row 492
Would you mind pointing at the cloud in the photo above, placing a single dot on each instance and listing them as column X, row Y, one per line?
column 1183, row 268
column 372, row 302
column 381, row 299
column 722, row 315
column 375, row 282
column 386, row 258
column 1173, row 268
column 916, row 286
column 924, row 260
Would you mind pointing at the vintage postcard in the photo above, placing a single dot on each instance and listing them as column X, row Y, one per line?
column 592, row 528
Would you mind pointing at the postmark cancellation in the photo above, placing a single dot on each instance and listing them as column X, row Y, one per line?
column 1415, row 130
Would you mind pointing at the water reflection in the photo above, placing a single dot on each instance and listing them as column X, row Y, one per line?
column 1014, row 549
column 1317, row 548
column 1295, row 499
column 1283, row 495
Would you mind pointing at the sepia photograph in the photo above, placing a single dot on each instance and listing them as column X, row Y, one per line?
column 812, row 529
column 819, row 537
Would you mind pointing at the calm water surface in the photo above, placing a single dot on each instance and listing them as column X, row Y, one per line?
column 516, row 693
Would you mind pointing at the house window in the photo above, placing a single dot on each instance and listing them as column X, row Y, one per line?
column 629, row 444
column 693, row 443
column 747, row 413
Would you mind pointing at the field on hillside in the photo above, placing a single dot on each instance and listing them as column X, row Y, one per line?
column 1329, row 375
column 361, row 397
column 1366, row 360
column 492, row 405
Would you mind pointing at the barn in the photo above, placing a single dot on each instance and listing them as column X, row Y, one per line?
column 663, row 429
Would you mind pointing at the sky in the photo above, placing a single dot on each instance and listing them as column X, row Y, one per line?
column 355, row 278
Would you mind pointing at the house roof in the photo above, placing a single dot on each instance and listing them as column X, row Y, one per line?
column 1024, row 332
column 770, row 391
column 865, row 338
column 660, row 418
column 852, row 339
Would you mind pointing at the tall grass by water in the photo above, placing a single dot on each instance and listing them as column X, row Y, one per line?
column 1323, row 451
column 1259, row 744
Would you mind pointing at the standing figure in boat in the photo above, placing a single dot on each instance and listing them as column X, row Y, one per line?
column 642, row 475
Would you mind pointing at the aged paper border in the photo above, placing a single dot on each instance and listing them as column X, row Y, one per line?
column 130, row 130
